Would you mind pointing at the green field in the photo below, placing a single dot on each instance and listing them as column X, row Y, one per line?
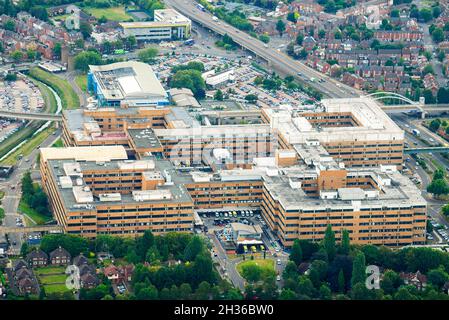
column 49, row 270
column 68, row 96
column 114, row 14
column 39, row 219
column 266, row 266
column 29, row 146
column 58, row 144
column 81, row 82
column 53, row 279
column 55, row 288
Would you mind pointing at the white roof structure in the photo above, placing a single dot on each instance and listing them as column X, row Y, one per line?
column 128, row 80
column 99, row 153
column 373, row 124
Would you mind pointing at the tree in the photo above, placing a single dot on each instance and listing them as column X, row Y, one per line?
column 39, row 12
column 325, row 292
column 345, row 242
column 435, row 125
column 17, row 55
column 147, row 55
column 264, row 38
column 305, row 286
column 251, row 98
column 203, row 291
column 391, row 281
column 329, row 242
column 438, row 187
column 9, row 25
column 287, row 294
column 218, row 95
column 445, row 210
column 438, row 35
column 436, row 11
column 24, row 249
column 425, row 14
column 321, row 34
column 443, row 95
column 280, row 26
column 428, row 69
column 296, row 253
column 338, row 35
column 299, row 39
column 57, row 49
column 251, row 272
column 85, row 29
column 84, row 59
column 292, row 16
column 190, row 79
column 404, row 294
column 394, row 13
column 193, row 248
column 148, row 293
column 185, row 290
column 438, row 277
column 361, row 292
column 341, row 281
column 358, row 269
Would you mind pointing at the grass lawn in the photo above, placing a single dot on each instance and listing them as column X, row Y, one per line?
column 114, row 14
column 49, row 270
column 56, row 279
column 61, row 17
column 55, row 288
column 81, row 82
column 2, row 194
column 2, row 214
column 39, row 219
column 267, row 265
column 58, row 144
column 29, row 146
column 68, row 96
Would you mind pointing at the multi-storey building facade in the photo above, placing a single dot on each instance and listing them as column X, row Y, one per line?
column 305, row 169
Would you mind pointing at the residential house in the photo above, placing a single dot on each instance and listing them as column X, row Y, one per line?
column 80, row 260
column 89, row 281
column 60, row 257
column 417, row 279
column 37, row 258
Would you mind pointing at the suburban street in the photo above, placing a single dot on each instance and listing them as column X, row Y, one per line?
column 12, row 190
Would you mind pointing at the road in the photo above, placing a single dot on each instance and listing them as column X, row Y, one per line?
column 408, row 124
column 12, row 196
column 276, row 59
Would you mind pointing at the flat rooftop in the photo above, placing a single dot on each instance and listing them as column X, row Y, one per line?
column 76, row 194
column 96, row 153
column 124, row 80
column 162, row 17
column 373, row 123
column 144, row 138
column 396, row 190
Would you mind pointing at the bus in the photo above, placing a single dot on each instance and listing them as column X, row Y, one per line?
column 201, row 7
column 119, row 51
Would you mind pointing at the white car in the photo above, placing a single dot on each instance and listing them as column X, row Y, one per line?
column 278, row 278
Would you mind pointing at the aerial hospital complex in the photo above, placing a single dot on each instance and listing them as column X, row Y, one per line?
column 136, row 161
